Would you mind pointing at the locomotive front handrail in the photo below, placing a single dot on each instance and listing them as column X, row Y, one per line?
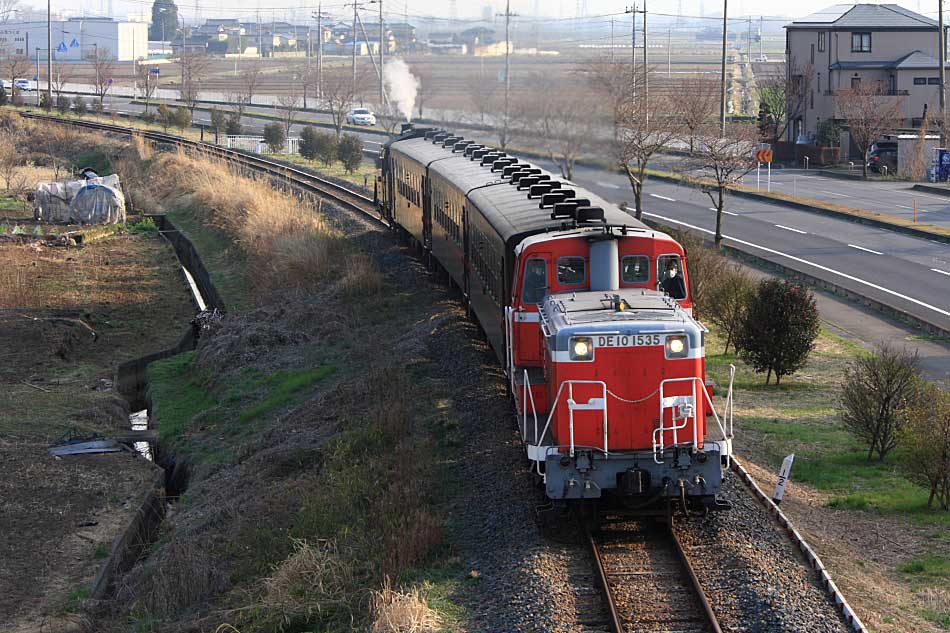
column 675, row 401
column 572, row 405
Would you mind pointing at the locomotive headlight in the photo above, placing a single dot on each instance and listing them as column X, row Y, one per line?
column 677, row 346
column 582, row 348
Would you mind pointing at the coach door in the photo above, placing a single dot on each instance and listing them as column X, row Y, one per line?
column 533, row 287
column 426, row 213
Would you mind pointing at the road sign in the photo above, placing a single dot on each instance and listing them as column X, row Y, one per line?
column 783, row 476
column 110, row 81
column 154, row 71
column 763, row 156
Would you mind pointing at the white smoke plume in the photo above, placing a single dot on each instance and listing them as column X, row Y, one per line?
column 401, row 86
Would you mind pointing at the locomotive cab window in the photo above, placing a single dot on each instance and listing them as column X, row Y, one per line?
column 571, row 271
column 535, row 284
column 669, row 276
column 635, row 269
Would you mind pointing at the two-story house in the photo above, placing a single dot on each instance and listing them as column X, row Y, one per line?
column 849, row 44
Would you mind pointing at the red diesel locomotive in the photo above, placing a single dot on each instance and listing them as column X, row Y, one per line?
column 588, row 310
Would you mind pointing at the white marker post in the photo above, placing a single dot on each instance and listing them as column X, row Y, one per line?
column 783, row 477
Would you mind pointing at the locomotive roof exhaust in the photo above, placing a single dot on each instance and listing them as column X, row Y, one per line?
column 604, row 265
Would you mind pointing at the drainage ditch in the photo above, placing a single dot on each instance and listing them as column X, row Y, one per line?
column 131, row 381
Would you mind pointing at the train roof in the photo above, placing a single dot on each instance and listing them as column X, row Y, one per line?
column 509, row 210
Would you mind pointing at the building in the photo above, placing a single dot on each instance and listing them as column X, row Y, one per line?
column 76, row 38
column 845, row 46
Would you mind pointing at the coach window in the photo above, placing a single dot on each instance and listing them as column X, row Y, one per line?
column 535, row 281
column 635, row 269
column 669, row 276
column 571, row 271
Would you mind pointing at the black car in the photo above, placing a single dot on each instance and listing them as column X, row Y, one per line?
column 883, row 154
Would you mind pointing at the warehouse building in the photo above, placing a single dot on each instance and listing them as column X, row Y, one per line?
column 76, row 38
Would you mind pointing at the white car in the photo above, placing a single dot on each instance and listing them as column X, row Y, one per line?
column 23, row 84
column 360, row 116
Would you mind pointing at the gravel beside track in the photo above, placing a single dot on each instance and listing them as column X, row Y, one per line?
column 753, row 576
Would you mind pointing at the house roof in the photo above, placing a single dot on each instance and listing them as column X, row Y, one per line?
column 864, row 16
column 912, row 61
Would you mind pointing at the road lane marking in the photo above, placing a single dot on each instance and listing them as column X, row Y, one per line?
column 832, row 193
column 656, row 195
column 942, row 272
column 788, row 228
column 809, row 263
column 861, row 248
column 609, row 185
column 724, row 211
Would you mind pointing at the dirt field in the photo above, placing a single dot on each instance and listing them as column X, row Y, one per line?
column 66, row 318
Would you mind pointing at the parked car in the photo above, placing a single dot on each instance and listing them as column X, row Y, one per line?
column 882, row 154
column 360, row 116
column 23, row 84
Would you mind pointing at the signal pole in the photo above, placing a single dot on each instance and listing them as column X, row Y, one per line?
column 49, row 58
column 382, row 57
column 354, row 46
column 722, row 73
column 504, row 136
column 320, row 50
column 943, row 73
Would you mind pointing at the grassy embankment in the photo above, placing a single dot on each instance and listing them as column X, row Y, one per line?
column 308, row 435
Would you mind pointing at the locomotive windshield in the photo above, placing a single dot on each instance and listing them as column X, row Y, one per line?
column 669, row 276
column 636, row 269
column 571, row 271
column 535, row 281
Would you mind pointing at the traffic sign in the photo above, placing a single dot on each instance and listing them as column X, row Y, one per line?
column 154, row 71
column 763, row 156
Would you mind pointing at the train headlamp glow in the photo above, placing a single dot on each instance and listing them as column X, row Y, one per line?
column 677, row 346
column 582, row 348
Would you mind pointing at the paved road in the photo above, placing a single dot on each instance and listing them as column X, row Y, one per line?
column 909, row 273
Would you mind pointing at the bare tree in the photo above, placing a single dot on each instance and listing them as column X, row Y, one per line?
column 388, row 116
column 249, row 82
column 104, row 64
column 727, row 301
column 288, row 105
column 8, row 10
column 11, row 161
column 724, row 161
column 786, row 98
column 644, row 126
column 194, row 67
column 62, row 75
column 563, row 125
column 14, row 66
column 870, row 112
column 697, row 100
column 424, row 92
column 147, row 83
column 485, row 97
column 339, row 92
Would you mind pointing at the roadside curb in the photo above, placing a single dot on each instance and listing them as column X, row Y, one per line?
column 814, row 208
column 841, row 603
column 940, row 191
column 815, row 282
column 830, row 173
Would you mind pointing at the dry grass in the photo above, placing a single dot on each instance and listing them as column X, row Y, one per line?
column 188, row 577
column 287, row 243
column 402, row 612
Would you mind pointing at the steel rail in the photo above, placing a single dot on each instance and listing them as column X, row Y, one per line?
column 329, row 189
column 616, row 623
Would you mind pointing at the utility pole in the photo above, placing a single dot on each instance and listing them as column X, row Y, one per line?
column 382, row 57
column 669, row 52
column 749, row 21
column 504, row 137
column 49, row 58
column 722, row 72
column 354, row 46
column 943, row 74
column 633, row 42
column 260, row 36
column 611, row 40
column 646, row 93
column 320, row 50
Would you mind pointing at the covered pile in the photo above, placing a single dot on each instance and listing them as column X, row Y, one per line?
column 90, row 201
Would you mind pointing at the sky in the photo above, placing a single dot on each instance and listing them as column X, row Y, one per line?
column 284, row 9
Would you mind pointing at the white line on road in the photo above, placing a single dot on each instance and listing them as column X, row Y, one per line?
column 805, row 261
column 788, row 228
column 861, row 248
column 900, row 206
column 656, row 195
column 832, row 193
column 724, row 211
column 942, row 272
column 609, row 185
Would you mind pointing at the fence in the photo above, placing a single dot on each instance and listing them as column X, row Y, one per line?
column 257, row 145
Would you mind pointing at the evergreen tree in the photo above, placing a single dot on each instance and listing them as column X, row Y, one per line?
column 164, row 20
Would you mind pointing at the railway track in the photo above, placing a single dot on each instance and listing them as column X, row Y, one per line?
column 292, row 176
column 647, row 579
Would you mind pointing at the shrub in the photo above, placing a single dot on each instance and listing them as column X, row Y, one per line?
column 79, row 105
column 727, row 301
column 4, row 99
column 97, row 107
column 165, row 116
column 876, row 387
column 326, row 147
column 233, row 126
column 778, row 329
column 146, row 226
column 350, row 152
column 394, row 611
column 63, row 104
column 308, row 143
column 705, row 267
column 925, row 440
column 274, row 137
column 148, row 117
column 219, row 122
column 44, row 101
column 182, row 118
column 829, row 134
